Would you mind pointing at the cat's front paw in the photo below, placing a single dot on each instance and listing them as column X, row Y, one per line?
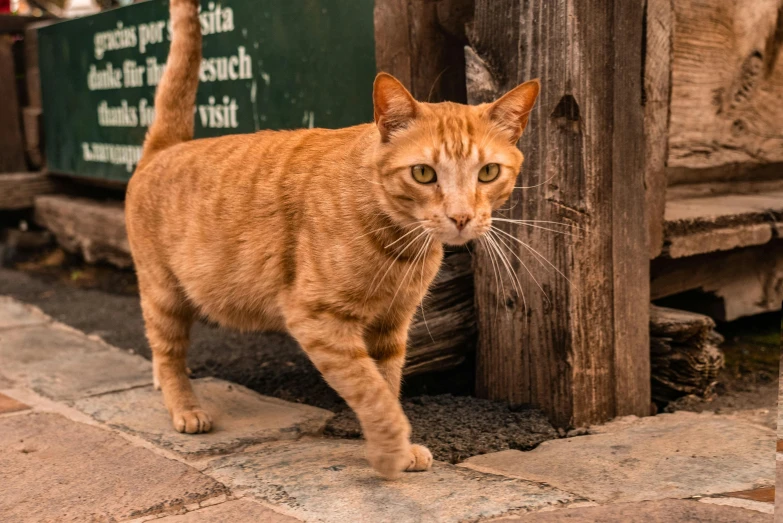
column 391, row 465
column 420, row 459
column 193, row 421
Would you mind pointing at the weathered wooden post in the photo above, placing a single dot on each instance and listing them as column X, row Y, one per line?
column 580, row 350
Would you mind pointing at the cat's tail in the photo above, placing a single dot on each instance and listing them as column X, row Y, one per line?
column 176, row 94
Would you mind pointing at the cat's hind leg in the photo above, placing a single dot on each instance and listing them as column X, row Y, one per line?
column 167, row 320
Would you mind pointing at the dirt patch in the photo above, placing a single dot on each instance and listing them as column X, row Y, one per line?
column 455, row 428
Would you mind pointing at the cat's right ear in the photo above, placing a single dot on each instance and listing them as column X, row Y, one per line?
column 394, row 106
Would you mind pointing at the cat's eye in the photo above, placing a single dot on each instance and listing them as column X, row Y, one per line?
column 489, row 172
column 423, row 173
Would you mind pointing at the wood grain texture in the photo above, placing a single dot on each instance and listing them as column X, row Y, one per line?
column 445, row 334
column 657, row 92
column 18, row 190
column 96, row 230
column 685, row 358
column 421, row 43
column 579, row 350
column 727, row 83
column 11, row 146
column 729, row 284
column 719, row 223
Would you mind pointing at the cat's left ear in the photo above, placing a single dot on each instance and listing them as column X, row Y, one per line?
column 394, row 106
column 511, row 112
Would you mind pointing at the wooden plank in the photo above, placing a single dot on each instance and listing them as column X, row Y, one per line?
column 18, row 190
column 721, row 223
column 727, row 285
column 727, row 80
column 657, row 91
column 11, row 147
column 626, row 203
column 421, row 43
column 96, row 230
column 582, row 351
column 703, row 190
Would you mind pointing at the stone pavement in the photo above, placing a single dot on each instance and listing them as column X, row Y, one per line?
column 84, row 437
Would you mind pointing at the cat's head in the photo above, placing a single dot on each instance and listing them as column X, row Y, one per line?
column 447, row 166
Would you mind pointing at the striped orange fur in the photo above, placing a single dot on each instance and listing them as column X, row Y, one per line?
column 325, row 234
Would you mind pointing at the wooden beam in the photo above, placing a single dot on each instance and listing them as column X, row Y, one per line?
column 96, row 230
column 725, row 285
column 721, row 223
column 580, row 350
column 727, row 76
column 657, row 92
column 17, row 190
column 11, row 146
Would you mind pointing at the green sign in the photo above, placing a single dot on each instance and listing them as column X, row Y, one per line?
column 268, row 64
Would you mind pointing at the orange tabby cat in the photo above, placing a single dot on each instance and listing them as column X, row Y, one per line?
column 331, row 235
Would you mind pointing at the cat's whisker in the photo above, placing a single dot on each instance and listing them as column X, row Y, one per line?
column 514, row 279
column 407, row 246
column 413, row 263
column 538, row 184
column 564, row 224
column 404, row 235
column 424, row 290
column 535, row 252
column 498, row 280
column 565, row 233
column 508, row 246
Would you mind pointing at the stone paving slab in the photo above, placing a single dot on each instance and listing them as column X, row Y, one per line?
column 666, row 456
column 237, row 511
column 330, row 481
column 53, row 469
column 667, row 511
column 241, row 417
column 5, row 383
column 748, row 504
column 63, row 364
column 8, row 405
column 17, row 314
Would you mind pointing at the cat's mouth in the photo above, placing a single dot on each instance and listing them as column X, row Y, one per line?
column 456, row 238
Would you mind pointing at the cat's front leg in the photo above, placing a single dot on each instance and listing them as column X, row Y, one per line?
column 386, row 340
column 335, row 345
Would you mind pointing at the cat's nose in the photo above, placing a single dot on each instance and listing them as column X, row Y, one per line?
column 461, row 220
